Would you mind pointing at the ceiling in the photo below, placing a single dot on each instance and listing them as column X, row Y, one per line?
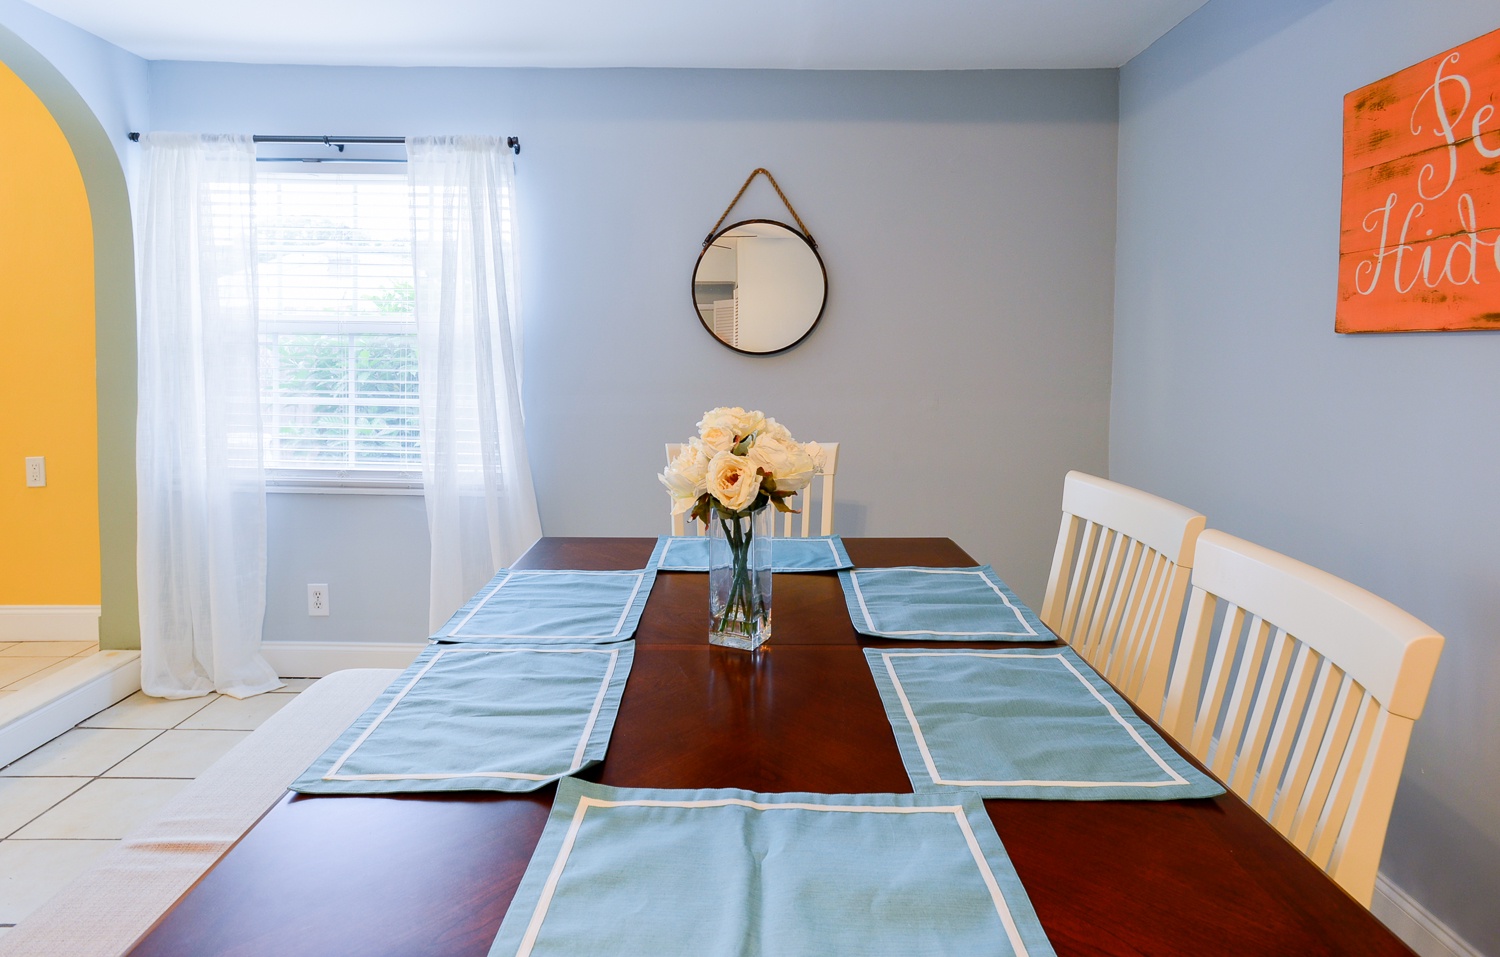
column 774, row 34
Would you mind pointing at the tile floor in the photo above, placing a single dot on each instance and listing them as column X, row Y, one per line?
column 22, row 662
column 67, row 802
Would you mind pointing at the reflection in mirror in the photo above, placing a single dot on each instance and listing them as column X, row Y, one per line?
column 759, row 286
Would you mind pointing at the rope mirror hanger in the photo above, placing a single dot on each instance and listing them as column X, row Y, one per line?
column 759, row 286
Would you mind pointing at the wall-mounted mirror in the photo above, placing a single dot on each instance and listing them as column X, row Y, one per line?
column 759, row 286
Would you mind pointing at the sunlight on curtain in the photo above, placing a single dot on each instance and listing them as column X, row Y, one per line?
column 481, row 506
column 201, row 519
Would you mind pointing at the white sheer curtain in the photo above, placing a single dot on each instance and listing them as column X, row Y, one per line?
column 201, row 546
column 481, row 506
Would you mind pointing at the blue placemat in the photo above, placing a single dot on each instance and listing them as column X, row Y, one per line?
column 938, row 604
column 1024, row 723
column 722, row 873
column 480, row 718
column 553, row 605
column 823, row 553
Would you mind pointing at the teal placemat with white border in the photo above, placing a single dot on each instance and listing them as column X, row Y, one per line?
column 1024, row 723
column 648, row 873
column 938, row 604
column 547, row 604
column 821, row 553
column 480, row 718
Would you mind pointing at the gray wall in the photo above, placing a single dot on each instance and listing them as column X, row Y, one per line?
column 967, row 223
column 1372, row 457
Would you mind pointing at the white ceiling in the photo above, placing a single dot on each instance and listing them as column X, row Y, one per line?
column 786, row 34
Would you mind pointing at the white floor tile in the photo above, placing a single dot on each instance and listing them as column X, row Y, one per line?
column 238, row 714
column 106, row 808
column 32, row 871
column 177, row 754
column 48, row 649
column 140, row 710
column 14, row 669
column 22, row 799
column 83, row 752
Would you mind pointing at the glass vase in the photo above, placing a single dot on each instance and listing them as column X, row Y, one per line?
column 739, row 578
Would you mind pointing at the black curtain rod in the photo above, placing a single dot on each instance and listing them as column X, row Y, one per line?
column 514, row 142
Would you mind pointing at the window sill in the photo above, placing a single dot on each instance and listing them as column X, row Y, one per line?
column 343, row 482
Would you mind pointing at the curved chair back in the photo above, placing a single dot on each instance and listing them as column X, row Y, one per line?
column 790, row 525
column 1119, row 579
column 1308, row 705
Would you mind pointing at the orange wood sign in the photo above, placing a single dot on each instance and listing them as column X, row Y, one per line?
column 1419, row 244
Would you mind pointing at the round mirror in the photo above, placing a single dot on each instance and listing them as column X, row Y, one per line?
column 759, row 286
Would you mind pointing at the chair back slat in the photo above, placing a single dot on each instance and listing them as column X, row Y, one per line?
column 1307, row 705
column 1279, row 653
column 1236, row 710
column 1115, row 593
column 1131, row 666
column 792, row 524
column 1202, row 723
column 1279, row 747
column 1327, row 687
column 1350, row 770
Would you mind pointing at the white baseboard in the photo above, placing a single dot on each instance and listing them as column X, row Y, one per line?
column 314, row 659
column 1414, row 924
column 44, row 709
column 49, row 622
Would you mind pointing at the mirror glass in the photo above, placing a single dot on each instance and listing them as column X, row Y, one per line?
column 759, row 286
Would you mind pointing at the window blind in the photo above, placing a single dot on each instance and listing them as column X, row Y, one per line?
column 338, row 336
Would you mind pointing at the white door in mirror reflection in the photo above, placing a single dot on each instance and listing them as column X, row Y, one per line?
column 759, row 286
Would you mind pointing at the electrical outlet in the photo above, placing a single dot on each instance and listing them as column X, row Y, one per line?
column 36, row 471
column 317, row 599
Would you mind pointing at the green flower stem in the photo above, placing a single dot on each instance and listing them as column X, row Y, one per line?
column 739, row 612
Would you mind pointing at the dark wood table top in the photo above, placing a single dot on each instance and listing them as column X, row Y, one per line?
column 434, row 874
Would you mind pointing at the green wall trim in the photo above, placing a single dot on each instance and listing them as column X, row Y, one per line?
column 114, row 335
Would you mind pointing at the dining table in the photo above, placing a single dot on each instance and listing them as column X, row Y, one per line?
column 434, row 873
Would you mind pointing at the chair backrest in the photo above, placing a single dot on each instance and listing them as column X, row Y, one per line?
column 1308, row 705
column 798, row 525
column 1119, row 580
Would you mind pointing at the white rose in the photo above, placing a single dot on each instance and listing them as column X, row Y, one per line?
column 733, row 420
column 818, row 454
column 776, row 430
column 733, row 481
column 784, row 461
column 686, row 474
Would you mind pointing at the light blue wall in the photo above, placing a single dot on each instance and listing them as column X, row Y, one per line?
column 111, row 81
column 967, row 223
column 1373, row 457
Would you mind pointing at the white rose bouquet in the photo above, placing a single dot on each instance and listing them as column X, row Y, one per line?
column 739, row 463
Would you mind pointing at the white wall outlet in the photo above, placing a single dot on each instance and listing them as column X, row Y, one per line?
column 36, row 471
column 317, row 599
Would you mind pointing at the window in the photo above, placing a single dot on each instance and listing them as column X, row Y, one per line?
column 338, row 341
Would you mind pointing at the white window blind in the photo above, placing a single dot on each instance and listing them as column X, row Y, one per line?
column 338, row 337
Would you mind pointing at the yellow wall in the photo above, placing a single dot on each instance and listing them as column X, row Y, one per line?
column 49, row 537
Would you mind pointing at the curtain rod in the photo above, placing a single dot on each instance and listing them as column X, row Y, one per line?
column 514, row 142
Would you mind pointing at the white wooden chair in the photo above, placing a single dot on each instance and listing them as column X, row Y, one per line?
column 790, row 525
column 1308, row 705
column 1119, row 580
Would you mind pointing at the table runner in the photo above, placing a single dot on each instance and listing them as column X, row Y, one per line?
column 553, row 605
column 822, row 553
column 480, row 718
column 1024, row 723
column 938, row 604
column 646, row 873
